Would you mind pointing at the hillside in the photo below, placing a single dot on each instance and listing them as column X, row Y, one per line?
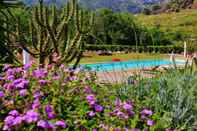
column 133, row 6
column 184, row 22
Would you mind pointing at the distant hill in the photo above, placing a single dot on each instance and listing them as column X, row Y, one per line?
column 184, row 22
column 134, row 6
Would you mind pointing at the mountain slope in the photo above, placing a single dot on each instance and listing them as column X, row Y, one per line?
column 184, row 22
column 116, row 5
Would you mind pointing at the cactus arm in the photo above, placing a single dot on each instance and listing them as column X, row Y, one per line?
column 54, row 18
column 71, row 50
column 50, row 31
column 31, row 27
column 36, row 17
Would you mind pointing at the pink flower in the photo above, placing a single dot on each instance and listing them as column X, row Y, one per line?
column 45, row 124
column 23, row 92
column 61, row 124
column 118, row 102
column 2, row 94
column 14, row 113
column 127, row 106
column 91, row 114
column 40, row 73
column 146, row 112
column 31, row 116
column 150, row 122
column 18, row 120
column 27, row 66
column 91, row 99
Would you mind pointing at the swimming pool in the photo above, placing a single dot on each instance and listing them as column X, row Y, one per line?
column 125, row 65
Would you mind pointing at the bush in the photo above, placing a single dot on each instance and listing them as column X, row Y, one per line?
column 60, row 98
column 172, row 96
column 159, row 49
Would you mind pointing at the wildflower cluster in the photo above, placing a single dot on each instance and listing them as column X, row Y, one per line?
column 58, row 98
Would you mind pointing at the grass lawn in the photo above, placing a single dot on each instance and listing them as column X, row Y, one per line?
column 94, row 58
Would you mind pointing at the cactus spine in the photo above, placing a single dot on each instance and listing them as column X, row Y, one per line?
column 63, row 34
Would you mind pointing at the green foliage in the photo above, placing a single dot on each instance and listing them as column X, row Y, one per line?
column 148, row 49
column 6, row 53
column 177, row 27
column 172, row 96
column 123, row 29
column 73, row 94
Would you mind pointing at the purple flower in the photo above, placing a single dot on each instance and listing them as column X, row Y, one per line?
column 31, row 116
column 40, row 73
column 122, row 115
column 6, row 67
column 48, row 108
column 8, row 86
column 18, row 70
column 18, row 120
column 42, row 123
column 130, row 113
column 51, row 115
column 27, row 66
column 167, row 129
column 37, row 94
column 10, row 72
column 118, row 102
column 20, row 83
column 49, row 111
column 45, row 124
column 56, row 76
column 150, row 122
column 62, row 66
column 135, row 129
column 43, row 82
column 87, row 90
column 6, row 128
column 72, row 78
column 117, row 129
column 9, row 120
column 10, row 77
column 91, row 114
column 14, row 113
column 95, row 129
column 61, row 124
column 98, row 108
column 127, row 106
column 2, row 94
column 50, row 66
column 1, row 78
column 36, row 104
column 127, row 129
column 146, row 112
column 23, row 92
column 91, row 99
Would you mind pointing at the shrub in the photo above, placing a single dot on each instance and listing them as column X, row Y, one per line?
column 172, row 96
column 58, row 98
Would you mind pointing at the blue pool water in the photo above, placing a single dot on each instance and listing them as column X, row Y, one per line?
column 125, row 65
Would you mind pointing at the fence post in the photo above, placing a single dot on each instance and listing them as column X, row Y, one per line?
column 26, row 57
column 185, row 49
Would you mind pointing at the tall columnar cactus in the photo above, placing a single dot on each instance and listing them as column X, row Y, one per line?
column 61, row 32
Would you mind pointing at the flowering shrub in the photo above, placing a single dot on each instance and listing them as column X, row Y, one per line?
column 58, row 98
